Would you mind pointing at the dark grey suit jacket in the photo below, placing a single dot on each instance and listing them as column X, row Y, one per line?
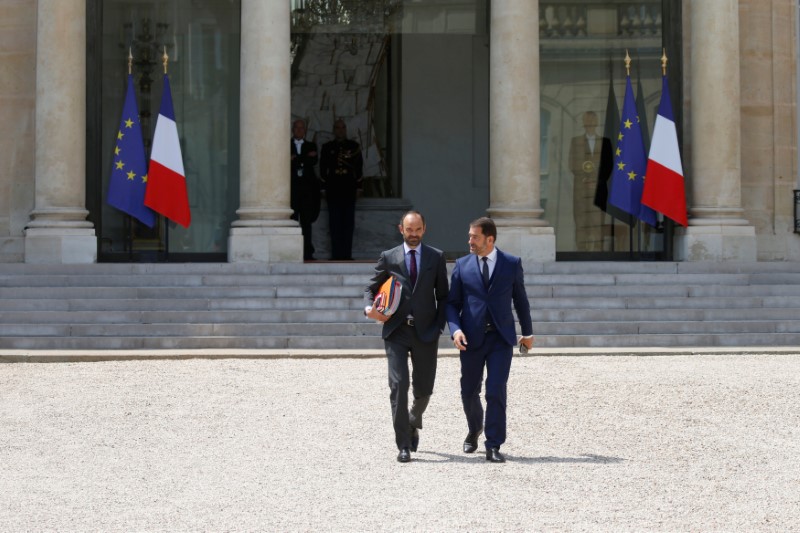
column 426, row 302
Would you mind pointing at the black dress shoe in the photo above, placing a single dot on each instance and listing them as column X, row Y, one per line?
column 404, row 456
column 493, row 455
column 471, row 442
column 414, row 439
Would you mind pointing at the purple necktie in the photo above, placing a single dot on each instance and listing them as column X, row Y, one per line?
column 413, row 267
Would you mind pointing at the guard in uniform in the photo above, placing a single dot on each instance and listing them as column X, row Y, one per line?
column 341, row 169
column 305, row 193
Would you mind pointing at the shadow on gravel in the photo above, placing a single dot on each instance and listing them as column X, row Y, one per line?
column 587, row 458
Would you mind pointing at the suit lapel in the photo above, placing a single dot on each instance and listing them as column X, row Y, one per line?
column 400, row 257
column 474, row 270
column 499, row 265
column 428, row 259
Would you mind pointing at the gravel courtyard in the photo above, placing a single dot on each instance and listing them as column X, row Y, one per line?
column 596, row 443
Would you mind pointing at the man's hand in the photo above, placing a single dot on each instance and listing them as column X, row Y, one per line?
column 375, row 315
column 527, row 343
column 460, row 340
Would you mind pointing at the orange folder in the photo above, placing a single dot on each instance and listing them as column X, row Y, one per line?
column 388, row 298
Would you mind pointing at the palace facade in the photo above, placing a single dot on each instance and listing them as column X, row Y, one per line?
column 461, row 107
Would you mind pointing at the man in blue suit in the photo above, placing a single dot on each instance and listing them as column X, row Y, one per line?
column 483, row 287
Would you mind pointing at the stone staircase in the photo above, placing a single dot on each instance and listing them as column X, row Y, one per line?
column 319, row 306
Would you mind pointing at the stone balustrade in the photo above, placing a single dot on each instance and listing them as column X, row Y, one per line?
column 581, row 19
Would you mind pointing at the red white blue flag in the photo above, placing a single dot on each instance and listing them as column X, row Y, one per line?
column 166, row 185
column 664, row 188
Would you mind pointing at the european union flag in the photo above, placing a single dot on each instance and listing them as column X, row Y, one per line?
column 129, row 173
column 630, row 162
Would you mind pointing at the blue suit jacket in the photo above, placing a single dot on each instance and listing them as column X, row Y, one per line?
column 470, row 303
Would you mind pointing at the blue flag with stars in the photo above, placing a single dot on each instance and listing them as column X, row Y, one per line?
column 630, row 162
column 129, row 172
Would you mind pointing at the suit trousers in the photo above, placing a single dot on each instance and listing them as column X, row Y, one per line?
column 495, row 355
column 402, row 343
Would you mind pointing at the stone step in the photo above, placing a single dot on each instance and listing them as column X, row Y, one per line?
column 366, row 268
column 183, row 304
column 670, row 340
column 612, row 312
column 667, row 315
column 186, row 317
column 166, row 279
column 112, row 293
column 656, row 291
column 354, row 343
column 184, row 280
column 353, row 292
column 369, row 329
column 344, row 303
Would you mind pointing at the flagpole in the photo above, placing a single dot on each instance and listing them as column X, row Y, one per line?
column 128, row 216
column 165, row 62
column 635, row 219
column 667, row 225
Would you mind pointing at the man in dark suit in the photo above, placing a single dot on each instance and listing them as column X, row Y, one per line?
column 305, row 194
column 483, row 287
column 414, row 328
column 341, row 168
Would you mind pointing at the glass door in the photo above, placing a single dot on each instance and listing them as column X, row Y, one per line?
column 583, row 79
column 201, row 38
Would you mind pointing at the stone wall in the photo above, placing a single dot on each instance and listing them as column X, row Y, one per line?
column 17, row 105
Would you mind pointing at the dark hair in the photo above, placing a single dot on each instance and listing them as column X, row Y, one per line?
column 412, row 212
column 487, row 226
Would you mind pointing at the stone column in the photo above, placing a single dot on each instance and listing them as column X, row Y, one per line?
column 264, row 232
column 717, row 230
column 514, row 172
column 58, row 231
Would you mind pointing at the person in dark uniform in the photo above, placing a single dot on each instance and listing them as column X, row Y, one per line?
column 341, row 169
column 305, row 195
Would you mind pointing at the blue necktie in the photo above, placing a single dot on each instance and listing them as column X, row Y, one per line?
column 413, row 267
column 485, row 271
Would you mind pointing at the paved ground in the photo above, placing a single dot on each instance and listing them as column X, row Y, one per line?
column 623, row 443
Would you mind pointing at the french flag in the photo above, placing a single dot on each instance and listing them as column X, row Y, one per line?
column 166, row 183
column 664, row 186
